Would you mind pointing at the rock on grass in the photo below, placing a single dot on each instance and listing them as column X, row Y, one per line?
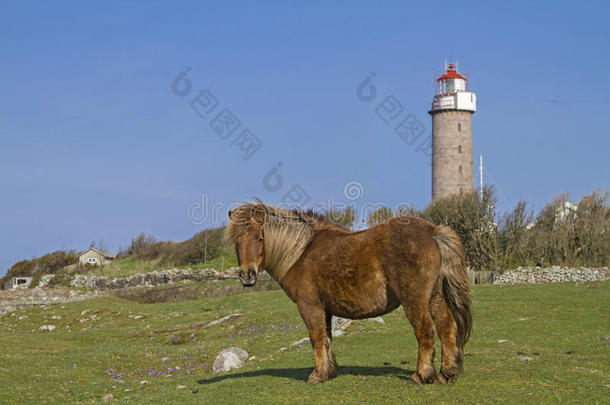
column 230, row 358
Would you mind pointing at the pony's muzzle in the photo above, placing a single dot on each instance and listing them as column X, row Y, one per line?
column 247, row 277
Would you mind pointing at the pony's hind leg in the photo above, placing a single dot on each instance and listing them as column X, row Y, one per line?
column 451, row 365
column 325, row 364
column 417, row 311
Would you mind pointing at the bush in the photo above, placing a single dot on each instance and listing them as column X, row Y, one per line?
column 53, row 262
column 137, row 245
column 514, row 237
column 50, row 263
column 378, row 216
column 592, row 230
column 562, row 234
column 573, row 235
column 473, row 219
column 204, row 246
column 344, row 218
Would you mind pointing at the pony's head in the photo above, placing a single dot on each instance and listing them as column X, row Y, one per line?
column 246, row 231
column 269, row 238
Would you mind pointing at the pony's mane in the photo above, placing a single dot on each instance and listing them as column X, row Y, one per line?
column 287, row 232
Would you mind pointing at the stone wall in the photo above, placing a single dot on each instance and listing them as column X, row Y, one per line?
column 152, row 278
column 11, row 300
column 553, row 274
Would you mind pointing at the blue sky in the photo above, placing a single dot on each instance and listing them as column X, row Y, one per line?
column 95, row 145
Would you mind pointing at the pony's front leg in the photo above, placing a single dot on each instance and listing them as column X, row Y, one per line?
column 316, row 320
column 332, row 360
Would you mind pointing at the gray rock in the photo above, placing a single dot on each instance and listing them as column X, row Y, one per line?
column 230, row 358
column 45, row 279
column 339, row 325
column 222, row 320
column 300, row 342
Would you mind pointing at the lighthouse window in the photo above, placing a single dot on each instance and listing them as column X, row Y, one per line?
column 460, row 169
column 459, row 148
column 460, row 127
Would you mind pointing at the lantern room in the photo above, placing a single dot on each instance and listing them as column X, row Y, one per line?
column 451, row 81
column 452, row 92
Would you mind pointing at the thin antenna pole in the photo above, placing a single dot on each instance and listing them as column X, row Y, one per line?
column 481, row 176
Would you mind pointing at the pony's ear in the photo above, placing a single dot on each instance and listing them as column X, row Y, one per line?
column 230, row 212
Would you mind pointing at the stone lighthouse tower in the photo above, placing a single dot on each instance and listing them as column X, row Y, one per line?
column 452, row 109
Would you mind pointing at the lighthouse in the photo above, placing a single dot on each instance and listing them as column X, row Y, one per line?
column 452, row 108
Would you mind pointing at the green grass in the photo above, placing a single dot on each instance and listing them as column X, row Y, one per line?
column 561, row 327
column 130, row 266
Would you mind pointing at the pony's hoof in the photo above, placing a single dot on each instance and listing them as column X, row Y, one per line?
column 440, row 379
column 450, row 373
column 313, row 380
column 417, row 379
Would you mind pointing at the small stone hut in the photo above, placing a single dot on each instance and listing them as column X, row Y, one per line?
column 17, row 282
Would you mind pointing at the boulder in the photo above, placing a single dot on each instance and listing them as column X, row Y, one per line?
column 228, row 359
column 339, row 325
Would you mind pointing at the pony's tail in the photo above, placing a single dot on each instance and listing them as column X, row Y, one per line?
column 455, row 281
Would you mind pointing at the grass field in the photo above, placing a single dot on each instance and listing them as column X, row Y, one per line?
column 531, row 344
column 130, row 266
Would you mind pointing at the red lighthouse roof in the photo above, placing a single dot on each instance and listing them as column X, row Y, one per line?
column 451, row 73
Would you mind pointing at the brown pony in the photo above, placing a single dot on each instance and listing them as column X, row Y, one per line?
column 327, row 270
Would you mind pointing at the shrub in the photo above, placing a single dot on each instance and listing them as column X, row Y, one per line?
column 204, row 246
column 473, row 219
column 513, row 236
column 50, row 263
column 345, row 217
column 592, row 230
column 137, row 245
column 573, row 235
column 562, row 234
column 378, row 216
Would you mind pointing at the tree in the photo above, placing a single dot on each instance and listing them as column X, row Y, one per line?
column 592, row 226
column 345, row 217
column 378, row 216
column 473, row 219
column 139, row 243
column 513, row 235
